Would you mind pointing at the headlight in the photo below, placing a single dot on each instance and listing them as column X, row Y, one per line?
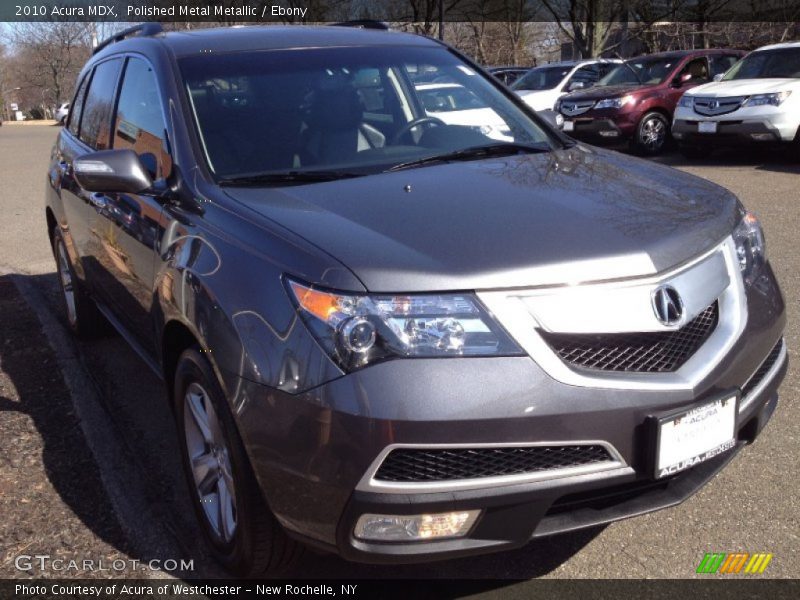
column 357, row 330
column 751, row 247
column 686, row 101
column 767, row 99
column 613, row 102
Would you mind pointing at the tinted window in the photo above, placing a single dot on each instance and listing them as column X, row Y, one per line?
column 96, row 120
column 139, row 122
column 697, row 69
column 649, row 71
column 779, row 63
column 720, row 64
column 541, row 78
column 584, row 77
column 75, row 113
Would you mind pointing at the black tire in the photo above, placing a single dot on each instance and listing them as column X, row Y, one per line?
column 652, row 134
column 259, row 546
column 695, row 152
column 794, row 151
column 83, row 317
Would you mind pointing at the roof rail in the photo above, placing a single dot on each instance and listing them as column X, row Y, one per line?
column 143, row 29
column 363, row 24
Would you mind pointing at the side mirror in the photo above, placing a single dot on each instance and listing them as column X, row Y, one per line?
column 576, row 85
column 112, row 171
column 718, row 76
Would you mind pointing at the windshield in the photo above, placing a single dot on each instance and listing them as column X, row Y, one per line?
column 357, row 110
column 764, row 64
column 447, row 98
column 638, row 71
column 541, row 78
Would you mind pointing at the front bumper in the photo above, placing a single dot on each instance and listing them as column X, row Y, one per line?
column 513, row 516
column 734, row 131
column 602, row 125
column 311, row 451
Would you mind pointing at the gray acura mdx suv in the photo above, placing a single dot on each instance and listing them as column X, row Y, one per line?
column 392, row 337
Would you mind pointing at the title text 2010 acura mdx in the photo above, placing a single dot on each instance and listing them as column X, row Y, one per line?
column 391, row 337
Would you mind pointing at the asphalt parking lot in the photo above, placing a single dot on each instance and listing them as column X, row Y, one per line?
column 121, row 493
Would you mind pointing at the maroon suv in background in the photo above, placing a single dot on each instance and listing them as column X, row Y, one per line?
column 636, row 100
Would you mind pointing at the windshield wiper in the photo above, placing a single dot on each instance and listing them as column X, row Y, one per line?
column 472, row 153
column 287, row 177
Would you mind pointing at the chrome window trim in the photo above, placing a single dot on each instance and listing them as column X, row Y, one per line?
column 368, row 483
column 766, row 380
column 510, row 309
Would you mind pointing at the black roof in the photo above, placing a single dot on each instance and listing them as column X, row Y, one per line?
column 274, row 37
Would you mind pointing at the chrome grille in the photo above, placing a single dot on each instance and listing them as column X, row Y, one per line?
column 711, row 107
column 646, row 352
column 571, row 109
column 447, row 464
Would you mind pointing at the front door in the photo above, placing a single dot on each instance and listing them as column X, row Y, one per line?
column 127, row 226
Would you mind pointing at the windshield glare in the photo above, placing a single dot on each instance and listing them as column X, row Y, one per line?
column 649, row 71
column 352, row 109
column 765, row 64
column 541, row 78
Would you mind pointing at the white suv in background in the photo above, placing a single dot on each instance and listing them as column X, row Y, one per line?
column 757, row 100
column 541, row 87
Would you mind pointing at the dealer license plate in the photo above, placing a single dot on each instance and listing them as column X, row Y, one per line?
column 696, row 435
column 707, row 127
column 569, row 126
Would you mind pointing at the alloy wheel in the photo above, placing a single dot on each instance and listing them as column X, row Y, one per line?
column 653, row 133
column 209, row 458
column 67, row 284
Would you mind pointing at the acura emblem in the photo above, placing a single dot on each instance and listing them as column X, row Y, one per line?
column 667, row 305
column 713, row 105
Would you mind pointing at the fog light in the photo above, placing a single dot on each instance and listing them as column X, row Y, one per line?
column 411, row 528
column 762, row 137
column 609, row 133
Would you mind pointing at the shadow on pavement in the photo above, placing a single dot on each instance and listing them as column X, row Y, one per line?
column 52, row 450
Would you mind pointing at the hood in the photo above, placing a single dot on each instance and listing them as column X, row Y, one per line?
column 569, row 216
column 599, row 92
column 744, row 87
column 540, row 99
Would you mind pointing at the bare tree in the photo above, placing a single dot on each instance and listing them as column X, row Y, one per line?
column 49, row 56
column 589, row 24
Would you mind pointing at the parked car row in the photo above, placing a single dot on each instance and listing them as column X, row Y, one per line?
column 703, row 99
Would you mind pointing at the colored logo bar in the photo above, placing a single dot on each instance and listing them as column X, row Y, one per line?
column 736, row 562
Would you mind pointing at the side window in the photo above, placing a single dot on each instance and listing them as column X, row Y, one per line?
column 698, row 69
column 720, row 64
column 77, row 106
column 583, row 78
column 139, row 123
column 99, row 103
